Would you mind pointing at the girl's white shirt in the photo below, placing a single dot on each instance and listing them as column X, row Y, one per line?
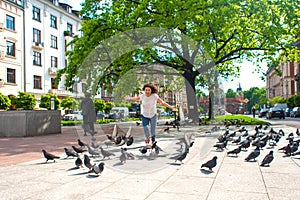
column 148, row 108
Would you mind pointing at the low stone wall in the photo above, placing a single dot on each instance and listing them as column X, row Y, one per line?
column 29, row 123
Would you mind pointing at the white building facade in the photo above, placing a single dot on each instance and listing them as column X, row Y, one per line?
column 49, row 26
column 11, row 47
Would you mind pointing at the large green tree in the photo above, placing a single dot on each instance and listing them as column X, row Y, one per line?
column 219, row 32
column 256, row 96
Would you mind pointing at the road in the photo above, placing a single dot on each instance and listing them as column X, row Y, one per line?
column 289, row 121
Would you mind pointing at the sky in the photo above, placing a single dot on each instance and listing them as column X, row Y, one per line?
column 247, row 78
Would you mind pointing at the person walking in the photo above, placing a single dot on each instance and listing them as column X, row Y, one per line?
column 89, row 114
column 149, row 99
column 253, row 111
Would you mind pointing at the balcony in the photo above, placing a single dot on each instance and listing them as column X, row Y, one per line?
column 60, row 92
column 37, row 45
column 53, row 71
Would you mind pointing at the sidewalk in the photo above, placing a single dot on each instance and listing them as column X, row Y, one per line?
column 23, row 174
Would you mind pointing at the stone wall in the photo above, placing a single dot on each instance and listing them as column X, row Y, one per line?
column 29, row 123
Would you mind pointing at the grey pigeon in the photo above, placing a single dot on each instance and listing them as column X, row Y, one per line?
column 221, row 145
column 78, row 163
column 92, row 152
column 98, row 169
column 49, row 156
column 106, row 154
column 70, row 153
column 268, row 159
column 235, row 151
column 182, row 156
column 87, row 162
column 129, row 156
column 254, row 154
column 211, row 163
column 123, row 157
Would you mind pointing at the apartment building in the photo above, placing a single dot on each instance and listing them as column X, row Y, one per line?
column 50, row 25
column 285, row 85
column 11, row 46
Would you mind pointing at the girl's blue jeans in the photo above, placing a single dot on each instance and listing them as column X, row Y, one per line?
column 150, row 123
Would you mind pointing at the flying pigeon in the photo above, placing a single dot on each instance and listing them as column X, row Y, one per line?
column 211, row 163
column 49, row 156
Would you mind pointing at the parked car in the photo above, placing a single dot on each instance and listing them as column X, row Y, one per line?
column 263, row 112
column 288, row 112
column 76, row 115
column 295, row 112
column 101, row 115
column 275, row 112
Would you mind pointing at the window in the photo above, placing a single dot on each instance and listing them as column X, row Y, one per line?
column 36, row 36
column 37, row 58
column 36, row 13
column 53, row 84
column 70, row 28
column 53, row 61
column 53, row 41
column 10, row 48
column 37, row 82
column 10, row 22
column 11, row 75
column 53, row 21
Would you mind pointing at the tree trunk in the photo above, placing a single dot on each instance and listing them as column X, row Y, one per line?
column 191, row 98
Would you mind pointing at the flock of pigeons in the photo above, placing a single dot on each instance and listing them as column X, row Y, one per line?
column 96, row 150
column 262, row 137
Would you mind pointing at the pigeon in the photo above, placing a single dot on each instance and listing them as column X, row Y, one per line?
column 211, row 163
column 235, row 151
column 221, row 145
column 114, row 134
column 49, row 156
column 143, row 150
column 268, row 159
column 92, row 152
column 298, row 132
column 237, row 140
column 106, row 153
column 129, row 141
column 87, row 162
column 137, row 123
column 78, row 150
column 167, row 129
column 129, row 156
column 80, row 143
column 78, row 163
column 98, row 169
column 123, row 157
column 182, row 156
column 70, row 153
column 254, row 154
column 95, row 145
